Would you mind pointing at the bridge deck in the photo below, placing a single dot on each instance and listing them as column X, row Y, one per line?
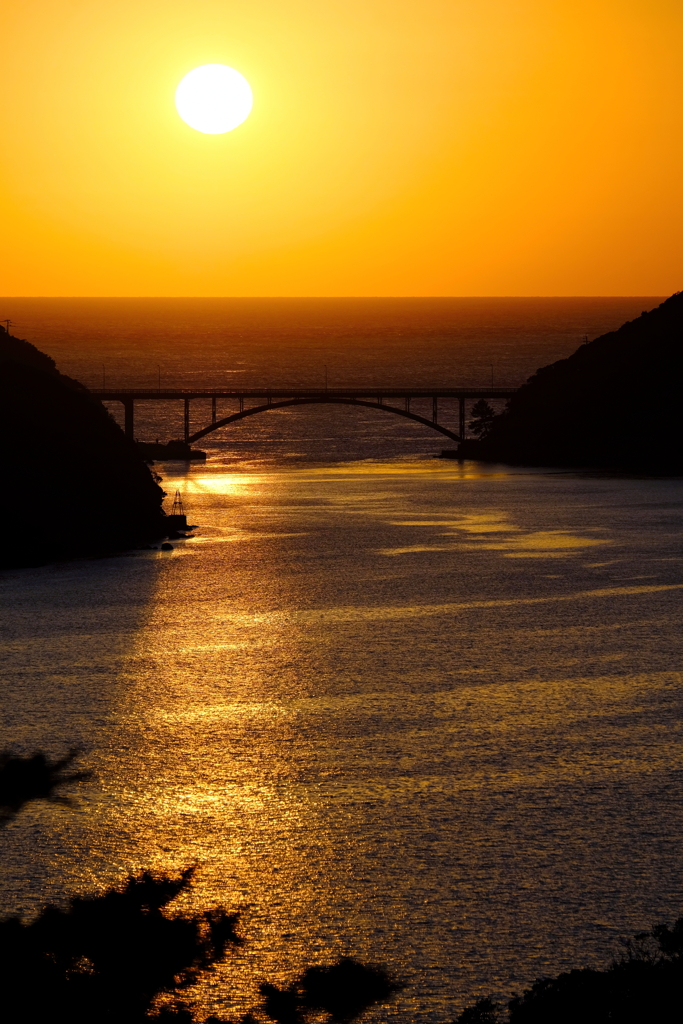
column 114, row 394
column 278, row 398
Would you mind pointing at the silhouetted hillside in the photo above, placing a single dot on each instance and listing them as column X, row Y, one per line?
column 73, row 483
column 613, row 403
column 25, row 353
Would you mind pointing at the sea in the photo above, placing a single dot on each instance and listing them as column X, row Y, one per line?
column 420, row 712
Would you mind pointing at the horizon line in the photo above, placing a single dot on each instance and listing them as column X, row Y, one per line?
column 634, row 295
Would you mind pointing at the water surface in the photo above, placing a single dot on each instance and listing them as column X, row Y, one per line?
column 421, row 712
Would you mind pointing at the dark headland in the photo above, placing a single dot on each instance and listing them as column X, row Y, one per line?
column 615, row 404
column 74, row 484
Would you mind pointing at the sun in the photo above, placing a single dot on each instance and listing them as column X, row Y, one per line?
column 213, row 99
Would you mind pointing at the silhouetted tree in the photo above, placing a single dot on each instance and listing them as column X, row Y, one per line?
column 33, row 778
column 483, row 418
column 112, row 957
column 120, row 958
column 645, row 985
column 104, row 958
column 483, row 1012
column 343, row 991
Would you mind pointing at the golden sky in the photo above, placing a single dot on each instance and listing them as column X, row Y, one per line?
column 395, row 147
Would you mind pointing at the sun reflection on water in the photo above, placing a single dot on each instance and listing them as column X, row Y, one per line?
column 453, row 763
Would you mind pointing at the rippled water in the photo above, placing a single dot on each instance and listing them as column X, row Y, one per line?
column 289, row 342
column 423, row 713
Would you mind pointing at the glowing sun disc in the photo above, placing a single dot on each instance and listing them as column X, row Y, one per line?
column 213, row 99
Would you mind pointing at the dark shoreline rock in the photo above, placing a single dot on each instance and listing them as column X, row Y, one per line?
column 171, row 451
column 613, row 404
column 75, row 485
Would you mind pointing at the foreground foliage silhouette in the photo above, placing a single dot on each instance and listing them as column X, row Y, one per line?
column 33, row 778
column 645, row 986
column 343, row 991
column 119, row 957
column 110, row 957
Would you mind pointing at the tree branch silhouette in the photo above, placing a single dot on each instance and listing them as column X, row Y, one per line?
column 23, row 779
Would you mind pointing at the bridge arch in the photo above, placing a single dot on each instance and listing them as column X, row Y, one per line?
column 321, row 401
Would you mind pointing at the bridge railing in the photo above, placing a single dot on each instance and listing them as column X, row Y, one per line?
column 294, row 396
column 399, row 392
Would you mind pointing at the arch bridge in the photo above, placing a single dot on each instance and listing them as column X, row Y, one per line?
column 250, row 401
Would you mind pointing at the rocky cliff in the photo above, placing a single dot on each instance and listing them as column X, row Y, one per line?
column 73, row 484
column 614, row 403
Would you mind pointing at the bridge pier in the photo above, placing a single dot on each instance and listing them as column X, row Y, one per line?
column 388, row 399
column 129, row 417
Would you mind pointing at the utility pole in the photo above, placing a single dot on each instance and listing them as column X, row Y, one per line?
column 7, row 322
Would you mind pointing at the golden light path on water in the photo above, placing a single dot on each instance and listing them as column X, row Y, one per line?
column 424, row 714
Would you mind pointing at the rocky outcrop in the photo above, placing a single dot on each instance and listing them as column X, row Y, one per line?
column 614, row 403
column 73, row 484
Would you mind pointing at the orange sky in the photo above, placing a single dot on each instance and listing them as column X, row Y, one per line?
column 396, row 147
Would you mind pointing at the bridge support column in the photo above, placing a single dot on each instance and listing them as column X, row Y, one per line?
column 187, row 420
column 461, row 418
column 406, row 402
column 435, row 409
column 129, row 418
column 213, row 409
column 241, row 400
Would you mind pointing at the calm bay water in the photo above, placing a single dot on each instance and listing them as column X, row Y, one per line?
column 424, row 713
